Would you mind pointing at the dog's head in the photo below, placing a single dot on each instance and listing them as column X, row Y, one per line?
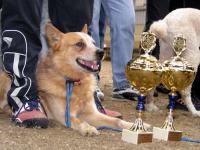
column 74, row 50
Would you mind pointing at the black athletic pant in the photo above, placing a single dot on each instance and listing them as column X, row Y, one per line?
column 21, row 43
column 70, row 15
column 156, row 10
column 20, row 47
column 174, row 4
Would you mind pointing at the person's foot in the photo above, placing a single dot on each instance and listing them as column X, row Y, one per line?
column 105, row 111
column 31, row 115
column 125, row 94
column 179, row 103
column 155, row 93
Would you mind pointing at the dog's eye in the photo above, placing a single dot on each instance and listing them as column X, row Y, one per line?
column 80, row 45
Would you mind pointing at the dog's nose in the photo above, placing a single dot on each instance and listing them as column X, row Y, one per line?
column 99, row 54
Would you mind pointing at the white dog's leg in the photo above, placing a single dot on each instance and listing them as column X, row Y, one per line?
column 186, row 94
column 150, row 105
column 192, row 55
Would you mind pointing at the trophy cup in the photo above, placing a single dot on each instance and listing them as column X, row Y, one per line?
column 177, row 75
column 144, row 73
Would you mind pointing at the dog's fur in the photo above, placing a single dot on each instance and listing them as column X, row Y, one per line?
column 61, row 62
column 186, row 22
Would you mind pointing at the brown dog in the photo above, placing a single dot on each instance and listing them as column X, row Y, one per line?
column 72, row 55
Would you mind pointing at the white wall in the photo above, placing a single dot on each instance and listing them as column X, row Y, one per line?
column 140, row 10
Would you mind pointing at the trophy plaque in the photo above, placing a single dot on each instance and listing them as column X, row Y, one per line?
column 144, row 73
column 177, row 75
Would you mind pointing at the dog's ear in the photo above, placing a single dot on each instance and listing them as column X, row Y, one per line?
column 85, row 29
column 53, row 36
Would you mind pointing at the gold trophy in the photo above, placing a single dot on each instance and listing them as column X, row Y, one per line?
column 177, row 75
column 144, row 73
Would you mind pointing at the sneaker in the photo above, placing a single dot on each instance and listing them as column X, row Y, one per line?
column 155, row 93
column 112, row 113
column 31, row 115
column 125, row 94
column 179, row 103
column 160, row 88
column 99, row 93
column 106, row 111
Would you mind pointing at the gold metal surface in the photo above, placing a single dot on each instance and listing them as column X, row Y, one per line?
column 148, row 41
column 179, row 45
column 144, row 73
column 177, row 75
column 177, row 72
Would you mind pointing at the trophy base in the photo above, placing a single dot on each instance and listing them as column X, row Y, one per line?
column 136, row 137
column 163, row 134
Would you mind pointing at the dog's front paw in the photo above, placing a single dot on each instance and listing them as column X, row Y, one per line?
column 152, row 107
column 88, row 130
column 126, row 125
column 196, row 114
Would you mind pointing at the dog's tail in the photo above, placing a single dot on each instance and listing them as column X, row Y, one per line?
column 159, row 28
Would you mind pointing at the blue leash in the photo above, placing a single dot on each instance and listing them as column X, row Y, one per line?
column 186, row 139
column 69, row 90
column 109, row 128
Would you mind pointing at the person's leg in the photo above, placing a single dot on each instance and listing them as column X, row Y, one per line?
column 121, row 15
column 1, row 1
column 94, row 27
column 98, row 24
column 195, row 89
column 102, row 27
column 192, row 4
column 70, row 16
column 155, row 11
column 20, row 48
column 175, row 4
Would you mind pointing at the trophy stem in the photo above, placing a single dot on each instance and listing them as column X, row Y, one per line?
column 144, row 73
column 169, row 122
column 138, row 125
column 137, row 133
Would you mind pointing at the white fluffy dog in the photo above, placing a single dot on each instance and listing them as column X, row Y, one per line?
column 186, row 22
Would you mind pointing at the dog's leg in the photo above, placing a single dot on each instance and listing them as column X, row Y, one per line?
column 150, row 105
column 97, row 119
column 192, row 55
column 78, row 124
column 188, row 101
column 56, row 109
column 83, row 127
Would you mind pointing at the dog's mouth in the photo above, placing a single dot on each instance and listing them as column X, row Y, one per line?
column 92, row 66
